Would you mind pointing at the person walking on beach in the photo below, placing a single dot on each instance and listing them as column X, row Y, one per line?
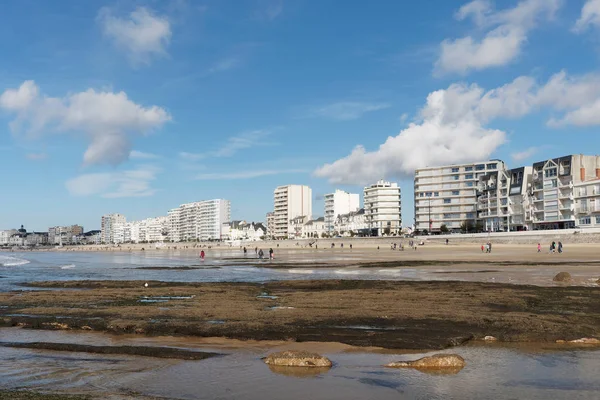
column 447, row 242
column 202, row 255
column 482, row 248
column 539, row 248
column 256, row 250
column 560, row 247
column 271, row 254
column 350, row 246
column 245, row 251
column 261, row 254
column 490, row 246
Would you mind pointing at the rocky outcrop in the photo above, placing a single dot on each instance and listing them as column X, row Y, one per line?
column 293, row 358
column 585, row 341
column 490, row 339
column 437, row 361
column 563, row 277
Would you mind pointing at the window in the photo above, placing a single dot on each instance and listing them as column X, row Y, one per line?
column 471, row 215
column 455, row 177
column 428, row 194
column 585, row 221
column 469, row 184
column 454, row 169
column 437, row 194
column 550, row 172
column 597, row 219
column 446, row 201
column 467, row 169
column 492, row 166
column 479, row 167
column 469, row 176
column 421, row 194
column 455, row 193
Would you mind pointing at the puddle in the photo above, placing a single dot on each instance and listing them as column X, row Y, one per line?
column 163, row 299
column 265, row 295
column 216, row 321
column 52, row 316
column 273, row 308
column 368, row 328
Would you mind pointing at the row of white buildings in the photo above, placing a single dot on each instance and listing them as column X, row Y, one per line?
column 558, row 193
column 198, row 221
column 292, row 212
column 56, row 235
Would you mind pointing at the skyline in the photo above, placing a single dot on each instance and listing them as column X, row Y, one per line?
column 138, row 108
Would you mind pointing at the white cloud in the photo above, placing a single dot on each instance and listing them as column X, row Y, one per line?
column 191, row 156
column 347, row 110
column 590, row 15
column 225, row 64
column 129, row 183
column 248, row 174
column 525, row 154
column 142, row 35
column 105, row 119
column 140, row 155
column 454, row 126
column 242, row 141
column 506, row 32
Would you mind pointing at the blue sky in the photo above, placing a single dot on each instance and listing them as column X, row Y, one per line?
column 138, row 106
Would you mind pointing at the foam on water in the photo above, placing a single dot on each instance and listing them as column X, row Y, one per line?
column 7, row 261
column 68, row 266
column 347, row 272
column 301, row 271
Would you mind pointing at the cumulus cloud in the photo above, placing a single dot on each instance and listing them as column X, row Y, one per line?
column 590, row 15
column 129, row 183
column 453, row 126
column 105, row 119
column 347, row 110
column 505, row 34
column 142, row 35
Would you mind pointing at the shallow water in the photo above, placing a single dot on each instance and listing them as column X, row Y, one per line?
column 16, row 268
column 492, row 372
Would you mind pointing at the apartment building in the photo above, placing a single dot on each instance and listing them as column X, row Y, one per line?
column 290, row 202
column 5, row 236
column 503, row 200
column 447, row 195
column 109, row 225
column 64, row 234
column 383, row 208
column 563, row 191
column 586, row 196
column 339, row 203
column 270, row 224
column 314, row 228
column 354, row 222
column 202, row 220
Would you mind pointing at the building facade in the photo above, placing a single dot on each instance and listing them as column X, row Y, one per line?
column 352, row 223
column 447, row 195
column 290, row 202
column 339, row 203
column 109, row 226
column 383, row 208
column 315, row 228
column 270, row 225
column 198, row 221
column 65, row 235
column 586, row 196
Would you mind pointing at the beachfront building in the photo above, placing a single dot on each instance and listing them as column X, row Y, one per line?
column 109, row 225
column 198, row 221
column 447, row 195
column 270, row 224
column 352, row 224
column 586, row 196
column 558, row 187
column 64, row 234
column 315, row 228
column 5, row 236
column 503, row 203
column 338, row 203
column 383, row 208
column 290, row 202
column 242, row 230
column 36, row 239
column 297, row 227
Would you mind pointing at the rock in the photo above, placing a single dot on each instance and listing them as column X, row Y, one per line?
column 563, row 277
column 293, row 358
column 86, row 328
column 460, row 340
column 585, row 341
column 56, row 325
column 561, row 341
column 490, row 339
column 436, row 361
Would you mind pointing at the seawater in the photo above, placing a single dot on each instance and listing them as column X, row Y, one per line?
column 492, row 372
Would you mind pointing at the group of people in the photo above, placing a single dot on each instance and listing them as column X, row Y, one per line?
column 554, row 247
column 486, row 247
column 260, row 253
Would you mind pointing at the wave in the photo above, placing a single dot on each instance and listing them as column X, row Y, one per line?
column 301, row 271
column 68, row 266
column 347, row 272
column 6, row 261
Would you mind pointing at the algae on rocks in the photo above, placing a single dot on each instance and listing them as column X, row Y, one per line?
column 292, row 358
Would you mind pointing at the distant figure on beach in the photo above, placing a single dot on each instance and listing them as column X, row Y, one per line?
column 490, row 246
column 447, row 242
column 332, row 245
column 350, row 246
column 261, row 254
column 256, row 250
column 560, row 247
column 245, row 251
column 202, row 254
column 271, row 254
column 552, row 247
column 482, row 248
column 342, row 245
column 539, row 248
column 487, row 247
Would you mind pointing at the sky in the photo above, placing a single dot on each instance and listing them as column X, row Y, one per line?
column 138, row 106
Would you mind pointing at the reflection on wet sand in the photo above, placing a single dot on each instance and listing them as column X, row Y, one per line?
column 299, row 372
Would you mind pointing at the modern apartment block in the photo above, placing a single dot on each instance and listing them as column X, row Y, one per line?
column 290, row 202
column 270, row 224
column 201, row 220
column 447, row 195
column 586, row 196
column 560, row 188
column 503, row 201
column 109, row 224
column 383, row 208
column 339, row 203
column 64, row 234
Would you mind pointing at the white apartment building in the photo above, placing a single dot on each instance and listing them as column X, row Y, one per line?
column 503, row 201
column 383, row 208
column 270, row 224
column 5, row 236
column 339, row 203
column 201, row 220
column 354, row 222
column 586, row 196
column 563, row 191
column 108, row 227
column 447, row 195
column 290, row 202
column 64, row 234
column 314, row 228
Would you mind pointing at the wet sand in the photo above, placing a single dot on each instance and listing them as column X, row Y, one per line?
column 389, row 314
